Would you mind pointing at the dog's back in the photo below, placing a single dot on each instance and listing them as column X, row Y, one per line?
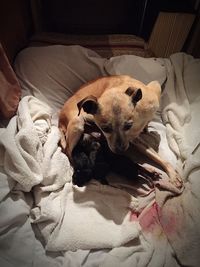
column 113, row 103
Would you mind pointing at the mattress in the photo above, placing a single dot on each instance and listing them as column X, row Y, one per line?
column 47, row 220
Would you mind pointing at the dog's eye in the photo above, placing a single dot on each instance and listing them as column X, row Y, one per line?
column 106, row 128
column 127, row 125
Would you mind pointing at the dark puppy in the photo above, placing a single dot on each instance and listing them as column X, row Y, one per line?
column 92, row 159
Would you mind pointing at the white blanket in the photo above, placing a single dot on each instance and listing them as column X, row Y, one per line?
column 171, row 232
column 145, row 226
column 69, row 217
column 33, row 158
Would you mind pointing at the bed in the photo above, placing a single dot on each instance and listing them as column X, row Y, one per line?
column 47, row 221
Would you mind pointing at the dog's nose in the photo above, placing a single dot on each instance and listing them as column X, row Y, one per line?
column 120, row 145
column 119, row 149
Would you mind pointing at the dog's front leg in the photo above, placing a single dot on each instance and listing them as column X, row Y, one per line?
column 144, row 148
column 75, row 128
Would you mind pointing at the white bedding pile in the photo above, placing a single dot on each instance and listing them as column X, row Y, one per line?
column 46, row 221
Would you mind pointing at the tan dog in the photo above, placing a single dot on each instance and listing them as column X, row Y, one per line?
column 121, row 107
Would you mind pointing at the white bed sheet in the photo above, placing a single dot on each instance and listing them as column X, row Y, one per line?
column 52, row 74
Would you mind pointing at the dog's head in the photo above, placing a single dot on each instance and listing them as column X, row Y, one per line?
column 118, row 114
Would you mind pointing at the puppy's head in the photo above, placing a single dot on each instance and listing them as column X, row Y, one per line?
column 118, row 114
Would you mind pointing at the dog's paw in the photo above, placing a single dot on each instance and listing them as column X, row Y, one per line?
column 176, row 179
column 63, row 143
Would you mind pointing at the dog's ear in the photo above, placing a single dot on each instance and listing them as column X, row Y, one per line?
column 89, row 105
column 136, row 94
column 155, row 85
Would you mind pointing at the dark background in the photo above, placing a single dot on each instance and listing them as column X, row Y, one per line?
column 20, row 19
column 107, row 16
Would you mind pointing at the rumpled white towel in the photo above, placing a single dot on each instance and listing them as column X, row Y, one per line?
column 180, row 104
column 26, row 158
column 70, row 218
column 92, row 217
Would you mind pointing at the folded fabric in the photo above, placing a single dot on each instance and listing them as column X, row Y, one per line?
column 25, row 158
column 92, row 217
column 142, row 69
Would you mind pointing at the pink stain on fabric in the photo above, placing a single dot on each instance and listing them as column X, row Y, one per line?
column 149, row 218
column 153, row 218
column 134, row 216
